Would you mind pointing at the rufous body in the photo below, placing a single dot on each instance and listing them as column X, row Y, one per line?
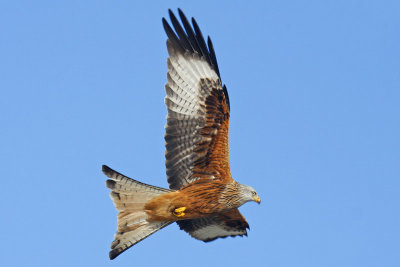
column 200, row 198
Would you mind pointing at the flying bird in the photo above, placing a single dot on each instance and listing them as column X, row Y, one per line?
column 202, row 197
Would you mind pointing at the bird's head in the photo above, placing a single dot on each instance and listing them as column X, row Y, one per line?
column 247, row 193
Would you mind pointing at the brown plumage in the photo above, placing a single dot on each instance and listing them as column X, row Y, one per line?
column 203, row 198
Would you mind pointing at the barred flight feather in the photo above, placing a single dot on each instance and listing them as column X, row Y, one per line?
column 216, row 226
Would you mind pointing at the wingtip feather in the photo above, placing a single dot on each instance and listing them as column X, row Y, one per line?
column 110, row 184
column 106, row 170
column 113, row 254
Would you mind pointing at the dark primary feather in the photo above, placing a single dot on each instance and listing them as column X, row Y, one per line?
column 181, row 33
column 212, row 55
column 172, row 36
column 189, row 30
column 201, row 42
column 189, row 39
column 226, row 97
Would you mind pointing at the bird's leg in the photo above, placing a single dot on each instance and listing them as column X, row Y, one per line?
column 179, row 212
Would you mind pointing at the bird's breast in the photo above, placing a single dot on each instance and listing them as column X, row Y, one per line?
column 193, row 201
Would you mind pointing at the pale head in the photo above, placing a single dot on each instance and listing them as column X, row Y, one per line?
column 247, row 193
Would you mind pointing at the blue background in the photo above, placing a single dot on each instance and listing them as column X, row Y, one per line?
column 315, row 127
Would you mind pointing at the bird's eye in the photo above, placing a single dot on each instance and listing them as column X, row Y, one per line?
column 253, row 193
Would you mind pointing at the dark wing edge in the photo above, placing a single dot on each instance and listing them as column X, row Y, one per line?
column 216, row 226
column 191, row 39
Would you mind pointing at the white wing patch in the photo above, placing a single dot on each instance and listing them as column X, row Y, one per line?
column 213, row 227
column 184, row 74
column 211, row 232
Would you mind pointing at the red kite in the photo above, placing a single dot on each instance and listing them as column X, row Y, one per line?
column 203, row 198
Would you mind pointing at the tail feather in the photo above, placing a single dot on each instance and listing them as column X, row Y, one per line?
column 124, row 240
column 129, row 197
column 121, row 183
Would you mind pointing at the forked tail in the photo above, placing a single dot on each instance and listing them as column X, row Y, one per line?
column 129, row 197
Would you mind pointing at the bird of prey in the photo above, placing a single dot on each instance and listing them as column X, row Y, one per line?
column 202, row 197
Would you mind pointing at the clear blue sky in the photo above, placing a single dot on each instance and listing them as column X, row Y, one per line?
column 315, row 128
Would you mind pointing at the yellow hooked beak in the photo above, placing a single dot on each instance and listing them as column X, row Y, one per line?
column 257, row 199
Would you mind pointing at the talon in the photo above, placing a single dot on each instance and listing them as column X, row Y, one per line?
column 179, row 212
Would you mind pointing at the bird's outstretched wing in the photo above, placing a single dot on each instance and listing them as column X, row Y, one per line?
column 198, row 108
column 210, row 228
